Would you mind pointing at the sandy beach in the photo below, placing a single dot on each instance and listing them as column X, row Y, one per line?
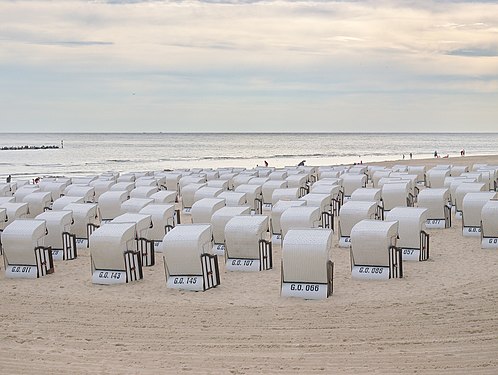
column 441, row 318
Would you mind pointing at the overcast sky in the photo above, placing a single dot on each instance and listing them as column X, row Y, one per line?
column 133, row 65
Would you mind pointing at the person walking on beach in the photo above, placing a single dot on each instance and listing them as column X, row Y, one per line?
column 266, row 163
column 411, row 156
column 301, row 164
column 435, row 154
column 9, row 178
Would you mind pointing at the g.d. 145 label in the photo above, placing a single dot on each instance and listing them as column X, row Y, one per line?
column 189, row 282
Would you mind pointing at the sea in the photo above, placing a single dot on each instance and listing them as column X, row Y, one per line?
column 94, row 153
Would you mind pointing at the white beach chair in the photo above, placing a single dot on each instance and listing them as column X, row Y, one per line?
column 13, row 211
column 85, row 191
column 276, row 214
column 83, row 180
column 110, row 203
column 126, row 177
column 413, row 240
column 457, row 170
column 247, row 245
column 21, row 192
column 370, row 195
column 285, row 194
column 164, row 197
column 299, row 217
column 5, row 190
column 489, row 225
column 188, row 195
column 173, row 181
column 420, row 171
column 335, row 191
column 218, row 184
column 37, row 203
column 396, row 194
column 242, row 179
column 207, row 192
column 374, row 255
column 203, row 209
column 307, row 269
column 164, row 218
column 148, row 181
column 218, row 222
column 56, row 189
column 101, row 186
column 351, row 182
column 60, row 203
column 189, row 180
column 435, row 177
column 437, row 202
column 351, row 213
column 188, row 262
column 86, row 217
column 254, row 196
column 278, row 175
column 135, row 204
column 59, row 237
column 113, row 258
column 143, row 191
column 267, row 190
column 232, row 198
column 324, row 203
column 299, row 181
column 471, row 212
column 123, row 186
column 379, row 175
column 24, row 253
column 462, row 190
column 143, row 244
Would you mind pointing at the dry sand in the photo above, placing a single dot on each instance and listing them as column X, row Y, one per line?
column 442, row 317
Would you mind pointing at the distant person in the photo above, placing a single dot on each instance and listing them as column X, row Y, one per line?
column 435, row 154
column 462, row 153
column 411, row 155
column 301, row 164
column 266, row 163
column 9, row 178
column 62, row 143
column 36, row 181
column 403, row 156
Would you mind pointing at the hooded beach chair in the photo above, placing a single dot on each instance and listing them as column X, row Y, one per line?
column 462, row 190
column 123, row 186
column 24, row 190
column 86, row 217
column 59, row 235
column 254, row 196
column 284, row 194
column 164, row 218
column 247, row 244
column 437, row 202
column 110, row 203
column 60, row 203
column 276, row 214
column 101, row 186
column 114, row 258
column 413, row 240
column 298, row 217
column 267, row 190
column 37, row 203
column 351, row 213
column 233, row 198
column 85, row 191
column 435, row 177
column 135, row 204
column 374, row 255
column 164, row 197
column 370, row 195
column 489, row 225
column 188, row 195
column 218, row 222
column 143, row 243
column 13, row 211
column 56, row 189
column 143, row 191
column 396, row 194
column 307, row 269
column 351, row 182
column 24, row 251
column 203, row 209
column 471, row 212
column 324, row 203
column 188, row 261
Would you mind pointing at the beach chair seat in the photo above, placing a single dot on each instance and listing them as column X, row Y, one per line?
column 143, row 244
column 37, row 203
column 351, row 213
column 164, row 218
column 143, row 191
column 247, row 245
column 283, row 194
column 86, row 218
column 110, row 203
column 135, row 204
column 374, row 255
column 24, row 252
column 188, row 261
column 471, row 212
column 413, row 239
column 188, row 195
column 489, row 225
column 454, row 183
column 13, row 211
column 299, row 217
column 173, row 181
column 164, row 196
column 307, row 269
column 324, row 203
column 370, row 195
column 335, row 192
column 114, row 257
column 123, row 186
column 420, row 171
column 462, row 190
column 60, row 203
column 85, row 191
column 254, row 196
column 59, row 237
column 203, row 209
column 299, row 181
column 437, row 201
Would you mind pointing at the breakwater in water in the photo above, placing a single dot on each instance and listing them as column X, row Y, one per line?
column 29, row 147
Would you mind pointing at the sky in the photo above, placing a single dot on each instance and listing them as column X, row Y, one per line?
column 248, row 66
